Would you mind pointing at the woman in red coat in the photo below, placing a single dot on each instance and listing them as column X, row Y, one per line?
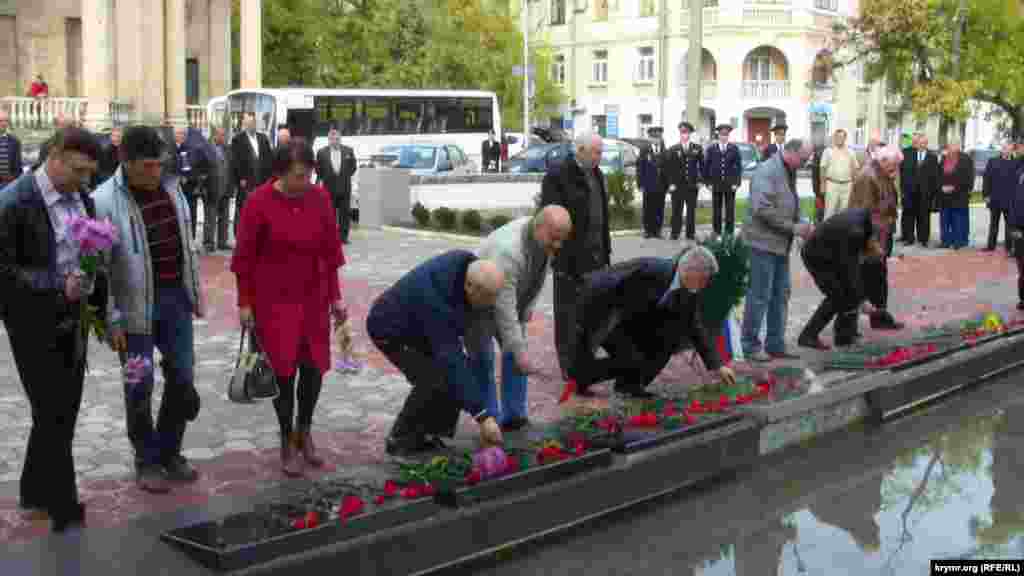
column 286, row 261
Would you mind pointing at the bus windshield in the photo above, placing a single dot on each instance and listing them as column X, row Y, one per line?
column 263, row 105
column 402, row 115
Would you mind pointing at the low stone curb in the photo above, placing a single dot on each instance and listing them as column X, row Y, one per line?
column 469, row 238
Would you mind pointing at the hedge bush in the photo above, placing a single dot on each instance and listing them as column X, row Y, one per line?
column 421, row 214
column 499, row 220
column 445, row 217
column 472, row 221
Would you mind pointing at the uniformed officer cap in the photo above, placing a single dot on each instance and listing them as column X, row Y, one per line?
column 687, row 126
column 780, row 127
column 721, row 127
column 655, row 131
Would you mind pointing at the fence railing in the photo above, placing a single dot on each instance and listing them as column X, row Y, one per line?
column 39, row 113
column 766, row 89
column 196, row 116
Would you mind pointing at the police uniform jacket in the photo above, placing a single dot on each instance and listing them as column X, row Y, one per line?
column 722, row 168
column 682, row 167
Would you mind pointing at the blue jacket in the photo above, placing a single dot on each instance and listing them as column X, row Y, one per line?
column 427, row 311
column 1000, row 182
column 723, row 168
column 1016, row 203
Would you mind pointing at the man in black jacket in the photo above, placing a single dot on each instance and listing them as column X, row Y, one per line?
column 999, row 183
column 10, row 152
column 110, row 156
column 578, row 185
column 251, row 161
column 641, row 312
column 919, row 180
column 490, row 154
column 682, row 166
column 833, row 256
column 40, row 291
column 723, row 170
column 335, row 165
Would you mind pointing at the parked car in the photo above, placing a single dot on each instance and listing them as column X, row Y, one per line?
column 425, row 159
column 981, row 156
column 537, row 158
column 619, row 156
column 514, row 142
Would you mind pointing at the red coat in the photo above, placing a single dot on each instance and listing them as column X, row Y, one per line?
column 286, row 260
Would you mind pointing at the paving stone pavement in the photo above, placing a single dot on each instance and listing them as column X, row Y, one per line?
column 235, row 447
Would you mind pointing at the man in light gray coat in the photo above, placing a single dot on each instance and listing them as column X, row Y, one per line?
column 772, row 223
column 523, row 249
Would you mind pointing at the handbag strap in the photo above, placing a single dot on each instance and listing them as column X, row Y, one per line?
column 241, row 343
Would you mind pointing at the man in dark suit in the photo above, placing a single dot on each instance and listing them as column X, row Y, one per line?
column 919, row 180
column 10, row 152
column 779, row 134
column 490, row 154
column 649, row 174
column 682, row 166
column 723, row 170
column 833, row 255
column 251, row 161
column 578, row 185
column 218, row 195
column 110, row 157
column 40, row 291
column 642, row 311
column 335, row 165
column 1000, row 181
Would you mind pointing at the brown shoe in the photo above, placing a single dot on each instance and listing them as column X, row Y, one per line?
column 290, row 464
column 309, row 450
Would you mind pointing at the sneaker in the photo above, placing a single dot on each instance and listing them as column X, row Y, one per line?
column 180, row 470
column 152, row 479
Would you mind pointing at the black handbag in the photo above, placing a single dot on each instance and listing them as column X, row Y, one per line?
column 253, row 379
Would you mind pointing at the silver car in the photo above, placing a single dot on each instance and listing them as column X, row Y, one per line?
column 427, row 159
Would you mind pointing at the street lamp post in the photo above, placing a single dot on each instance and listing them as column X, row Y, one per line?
column 693, row 63
column 526, row 73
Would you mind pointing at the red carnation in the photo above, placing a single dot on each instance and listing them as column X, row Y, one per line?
column 311, row 520
column 379, row 499
column 299, row 524
column 390, row 488
column 579, row 449
column 511, row 465
column 350, row 506
column 474, row 476
column 428, row 490
column 410, row 492
column 723, row 400
column 690, row 419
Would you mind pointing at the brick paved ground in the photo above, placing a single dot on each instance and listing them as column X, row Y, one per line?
column 235, row 447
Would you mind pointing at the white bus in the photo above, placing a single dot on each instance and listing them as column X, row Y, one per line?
column 367, row 119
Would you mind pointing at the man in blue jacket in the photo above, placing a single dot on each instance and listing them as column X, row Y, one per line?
column 419, row 324
column 998, row 188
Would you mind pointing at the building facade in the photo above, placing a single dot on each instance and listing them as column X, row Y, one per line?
column 622, row 65
column 137, row 60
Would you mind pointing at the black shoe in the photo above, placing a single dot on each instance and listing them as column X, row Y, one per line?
column 407, row 445
column 883, row 320
column 180, row 470
column 675, row 237
column 516, row 424
column 1020, row 306
column 633, row 392
column 72, row 518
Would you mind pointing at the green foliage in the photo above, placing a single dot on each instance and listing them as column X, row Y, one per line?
column 729, row 286
column 621, row 190
column 421, row 214
column 445, row 217
column 498, row 220
column 472, row 221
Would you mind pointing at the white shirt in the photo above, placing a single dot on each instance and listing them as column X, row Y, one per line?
column 920, row 156
column 255, row 143
column 336, row 159
column 61, row 208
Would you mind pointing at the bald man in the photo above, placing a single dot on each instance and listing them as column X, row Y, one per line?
column 419, row 324
column 523, row 249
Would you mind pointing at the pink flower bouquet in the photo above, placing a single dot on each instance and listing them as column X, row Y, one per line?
column 92, row 237
column 136, row 369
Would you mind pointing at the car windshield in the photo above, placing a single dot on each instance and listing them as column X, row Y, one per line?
column 413, row 157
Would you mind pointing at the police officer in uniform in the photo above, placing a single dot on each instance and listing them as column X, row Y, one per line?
column 779, row 134
column 649, row 176
column 723, row 171
column 681, row 174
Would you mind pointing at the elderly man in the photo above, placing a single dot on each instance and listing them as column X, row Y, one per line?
column 875, row 190
column 523, row 249
column 838, row 167
column 999, row 182
column 41, row 288
column 833, row 256
column 419, row 324
column 578, row 185
column 218, row 195
column 10, row 152
column 919, row 180
column 640, row 312
column 335, row 165
column 773, row 222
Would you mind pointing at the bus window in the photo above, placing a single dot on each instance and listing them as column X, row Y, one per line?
column 378, row 116
column 343, row 113
column 408, row 116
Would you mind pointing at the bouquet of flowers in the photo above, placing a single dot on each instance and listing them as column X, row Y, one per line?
column 92, row 237
column 348, row 363
column 136, row 369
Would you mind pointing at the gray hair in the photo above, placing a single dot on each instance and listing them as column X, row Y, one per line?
column 698, row 258
column 585, row 139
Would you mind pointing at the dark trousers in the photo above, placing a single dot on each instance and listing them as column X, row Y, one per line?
column 632, row 367
column 723, row 199
column 1018, row 251
column 955, row 224
column 689, row 197
column 654, row 211
column 429, row 408
column 191, row 190
column 875, row 276
column 215, row 229
column 566, row 297
column 310, row 381
column 836, row 305
column 52, row 374
column 995, row 215
column 343, row 206
column 916, row 221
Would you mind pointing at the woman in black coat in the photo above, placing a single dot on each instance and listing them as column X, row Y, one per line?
column 956, row 180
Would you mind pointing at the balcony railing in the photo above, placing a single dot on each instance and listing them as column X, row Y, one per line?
column 708, row 89
column 823, row 92
column 710, row 18
column 894, row 100
column 32, row 113
column 766, row 88
column 196, row 116
column 121, row 113
column 767, row 17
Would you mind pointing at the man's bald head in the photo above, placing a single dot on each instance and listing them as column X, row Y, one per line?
column 552, row 227
column 483, row 281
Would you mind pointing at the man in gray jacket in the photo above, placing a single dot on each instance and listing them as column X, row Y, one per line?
column 772, row 223
column 523, row 249
column 154, row 292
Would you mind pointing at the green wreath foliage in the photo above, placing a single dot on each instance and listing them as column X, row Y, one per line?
column 729, row 286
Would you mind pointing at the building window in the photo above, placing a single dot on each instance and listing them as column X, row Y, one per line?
column 644, row 121
column 558, row 70
column 646, row 8
column 557, row 12
column 600, row 10
column 192, row 81
column 858, row 134
column 711, row 3
column 761, row 66
column 645, row 64
column 600, row 67
column 830, row 5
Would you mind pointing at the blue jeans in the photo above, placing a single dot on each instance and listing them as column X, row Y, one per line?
column 768, row 294
column 513, row 384
column 173, row 336
column 955, row 226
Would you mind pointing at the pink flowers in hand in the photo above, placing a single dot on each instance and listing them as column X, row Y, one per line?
column 92, row 236
column 136, row 369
